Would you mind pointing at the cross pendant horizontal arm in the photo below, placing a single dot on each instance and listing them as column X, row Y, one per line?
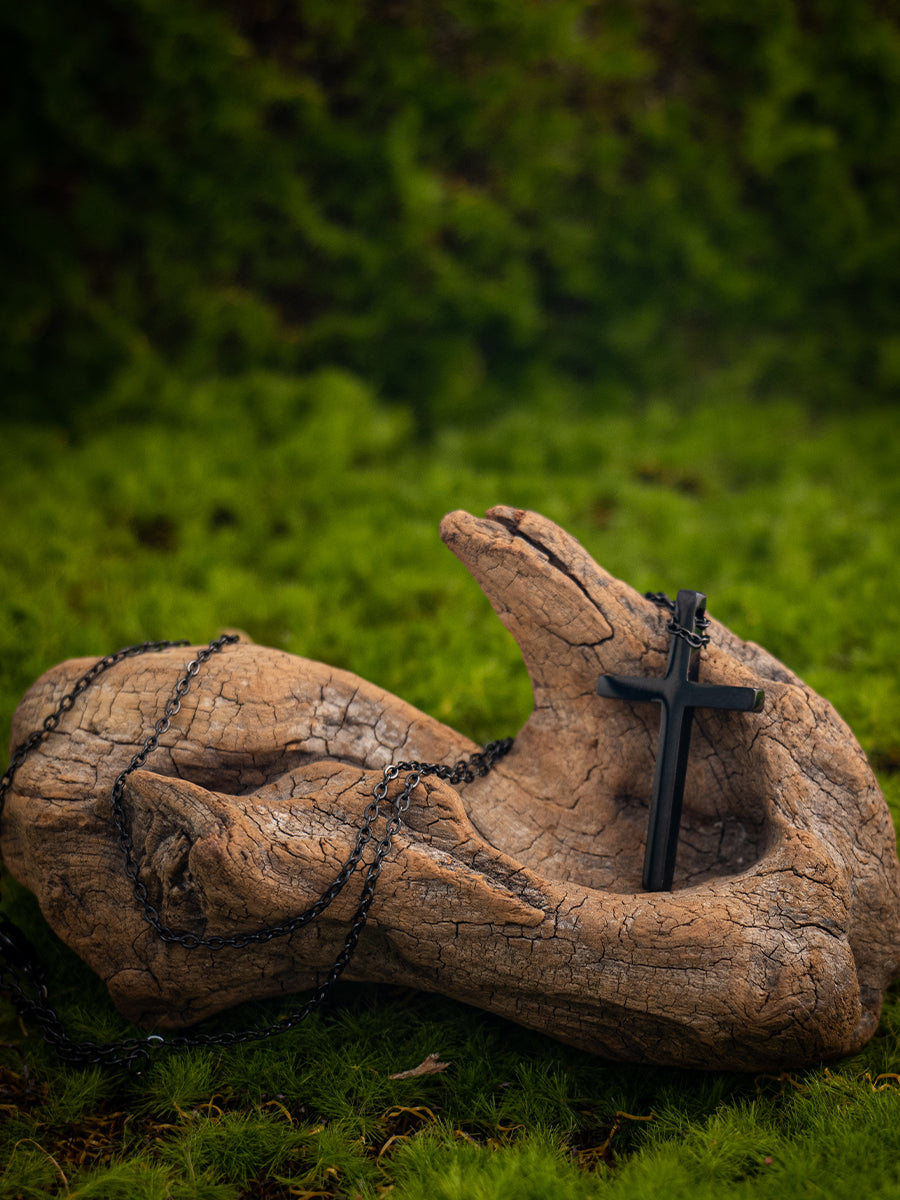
column 678, row 693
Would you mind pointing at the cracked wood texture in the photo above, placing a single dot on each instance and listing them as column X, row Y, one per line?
column 518, row 893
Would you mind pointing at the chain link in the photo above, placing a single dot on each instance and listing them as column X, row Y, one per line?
column 697, row 640
column 21, row 972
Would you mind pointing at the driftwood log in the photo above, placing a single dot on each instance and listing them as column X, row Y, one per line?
column 518, row 893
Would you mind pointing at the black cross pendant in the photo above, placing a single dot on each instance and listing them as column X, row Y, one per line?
column 679, row 694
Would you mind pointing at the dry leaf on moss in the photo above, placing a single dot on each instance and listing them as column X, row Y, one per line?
column 429, row 1066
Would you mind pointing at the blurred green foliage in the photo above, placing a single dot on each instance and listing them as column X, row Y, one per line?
column 454, row 200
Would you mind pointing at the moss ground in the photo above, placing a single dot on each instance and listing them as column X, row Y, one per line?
column 305, row 512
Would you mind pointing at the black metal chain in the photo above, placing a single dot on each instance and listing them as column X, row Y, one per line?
column 697, row 640
column 68, row 701
column 21, row 972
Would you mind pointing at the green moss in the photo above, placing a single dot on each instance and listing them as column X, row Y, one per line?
column 298, row 509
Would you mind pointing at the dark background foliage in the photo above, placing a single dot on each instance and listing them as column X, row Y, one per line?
column 455, row 200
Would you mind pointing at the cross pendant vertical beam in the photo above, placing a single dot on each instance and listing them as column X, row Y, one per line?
column 678, row 693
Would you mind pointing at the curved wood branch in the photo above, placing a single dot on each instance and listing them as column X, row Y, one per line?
column 519, row 892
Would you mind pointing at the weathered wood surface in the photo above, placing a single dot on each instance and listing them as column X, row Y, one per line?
column 518, row 893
